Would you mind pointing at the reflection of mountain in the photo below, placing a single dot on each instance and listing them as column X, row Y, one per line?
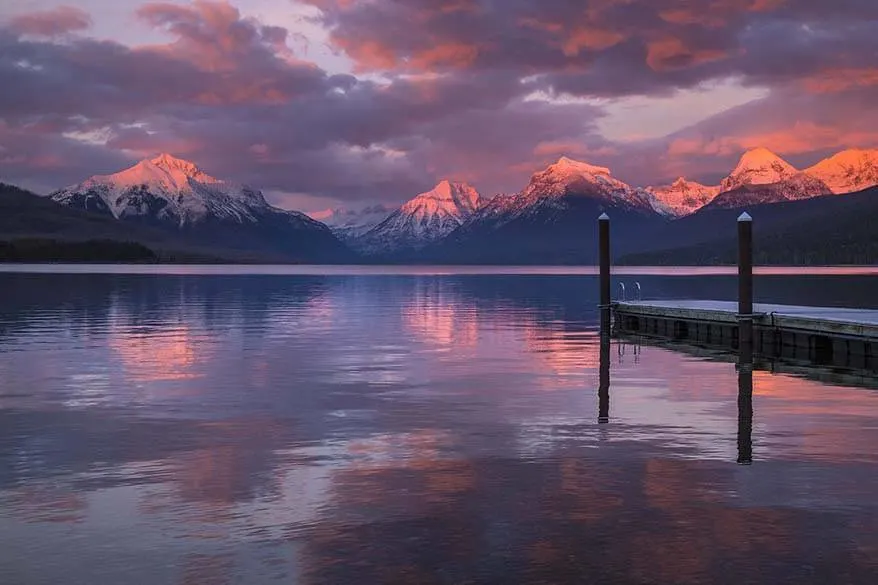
column 88, row 303
column 45, row 502
column 323, row 439
column 437, row 315
column 567, row 353
column 176, row 196
column 551, row 221
column 159, row 355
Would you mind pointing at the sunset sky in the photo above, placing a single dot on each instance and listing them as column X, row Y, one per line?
column 351, row 102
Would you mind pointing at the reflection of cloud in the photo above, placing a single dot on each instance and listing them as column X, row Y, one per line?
column 815, row 421
column 211, row 482
column 46, row 503
column 653, row 519
column 207, row 569
column 399, row 449
column 357, row 483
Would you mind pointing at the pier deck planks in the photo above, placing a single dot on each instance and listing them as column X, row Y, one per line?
column 826, row 320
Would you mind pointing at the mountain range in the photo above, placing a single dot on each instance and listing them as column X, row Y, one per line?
column 760, row 177
column 427, row 218
column 175, row 195
column 818, row 231
column 168, row 201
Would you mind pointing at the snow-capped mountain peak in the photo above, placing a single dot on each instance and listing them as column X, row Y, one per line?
column 454, row 199
column 164, row 172
column 848, row 171
column 568, row 166
column 762, row 177
column 681, row 183
column 569, row 177
column 682, row 197
column 172, row 164
column 424, row 219
column 350, row 224
column 165, row 189
column 568, row 174
column 758, row 166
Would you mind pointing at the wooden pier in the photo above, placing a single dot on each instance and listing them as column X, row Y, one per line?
column 820, row 335
column 824, row 336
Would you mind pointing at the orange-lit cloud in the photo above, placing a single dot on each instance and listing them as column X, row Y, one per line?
column 451, row 55
column 593, row 38
column 841, row 79
column 713, row 13
column 801, row 137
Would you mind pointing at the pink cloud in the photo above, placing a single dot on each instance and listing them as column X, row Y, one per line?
column 52, row 23
column 801, row 137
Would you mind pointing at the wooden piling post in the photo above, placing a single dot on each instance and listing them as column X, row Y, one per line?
column 745, row 338
column 745, row 287
column 604, row 306
column 604, row 256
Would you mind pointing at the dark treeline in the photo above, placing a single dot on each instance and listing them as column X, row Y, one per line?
column 46, row 250
column 836, row 229
column 854, row 245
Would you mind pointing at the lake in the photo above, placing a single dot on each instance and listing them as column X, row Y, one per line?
column 225, row 425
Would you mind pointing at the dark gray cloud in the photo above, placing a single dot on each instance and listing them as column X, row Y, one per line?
column 229, row 94
column 450, row 90
column 611, row 48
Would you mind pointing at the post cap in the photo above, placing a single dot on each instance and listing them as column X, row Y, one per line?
column 745, row 217
column 604, row 217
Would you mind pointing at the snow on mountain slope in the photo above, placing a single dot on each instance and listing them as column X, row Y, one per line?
column 763, row 177
column 682, row 197
column 350, row 224
column 428, row 217
column 848, row 171
column 799, row 186
column 569, row 177
column 555, row 186
column 173, row 194
column 168, row 190
column 552, row 220
column 758, row 166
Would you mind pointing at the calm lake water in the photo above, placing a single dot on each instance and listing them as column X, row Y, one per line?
column 217, row 425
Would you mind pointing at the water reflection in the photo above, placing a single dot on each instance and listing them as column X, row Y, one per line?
column 333, row 429
column 604, row 384
column 745, row 413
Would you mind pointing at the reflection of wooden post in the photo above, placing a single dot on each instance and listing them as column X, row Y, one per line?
column 604, row 384
column 745, row 413
column 745, row 287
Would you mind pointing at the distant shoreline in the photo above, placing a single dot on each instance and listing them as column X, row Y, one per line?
column 168, row 269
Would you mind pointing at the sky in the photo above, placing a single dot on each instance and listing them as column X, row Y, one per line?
column 328, row 103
